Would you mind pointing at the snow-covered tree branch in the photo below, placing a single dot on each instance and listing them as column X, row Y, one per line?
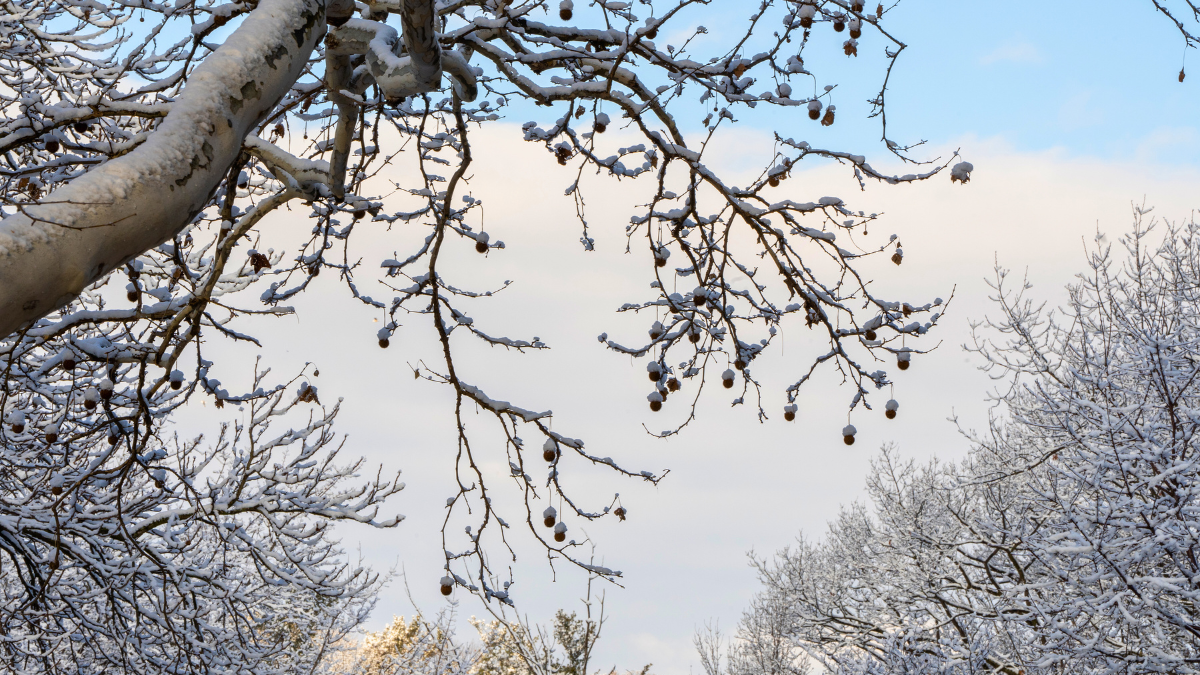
column 146, row 144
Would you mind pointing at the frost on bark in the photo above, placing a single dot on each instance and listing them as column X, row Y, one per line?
column 97, row 222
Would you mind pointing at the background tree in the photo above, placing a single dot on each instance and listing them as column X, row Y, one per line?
column 1066, row 541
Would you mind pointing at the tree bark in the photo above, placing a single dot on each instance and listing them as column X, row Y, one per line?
column 49, row 252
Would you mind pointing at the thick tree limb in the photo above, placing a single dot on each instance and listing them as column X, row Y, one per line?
column 50, row 251
column 398, row 76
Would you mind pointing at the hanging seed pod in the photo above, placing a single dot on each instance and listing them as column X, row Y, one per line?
column 814, row 110
column 694, row 334
column 673, row 384
column 656, row 401
column 481, row 242
column 16, row 419
column 550, row 450
column 656, row 332
column 112, row 438
column 827, row 120
column 839, row 24
column 890, row 409
column 739, row 364
column 601, row 124
column 850, row 47
column 856, row 6
column 176, row 379
column 447, row 585
column 789, row 412
column 870, row 335
column 855, row 27
column 806, row 14
column 1181, row 75
column 848, row 432
column 898, row 256
column 660, row 256
column 51, row 432
column 560, row 532
column 68, row 360
column 548, row 516
column 727, row 378
column 52, row 146
column 620, row 512
column 902, row 360
column 90, row 398
column 131, row 292
column 654, row 370
column 81, row 127
column 564, row 10
column 106, row 389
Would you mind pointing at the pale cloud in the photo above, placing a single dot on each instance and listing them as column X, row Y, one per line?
column 1166, row 143
column 1017, row 51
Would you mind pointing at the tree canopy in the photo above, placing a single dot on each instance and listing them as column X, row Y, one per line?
column 146, row 143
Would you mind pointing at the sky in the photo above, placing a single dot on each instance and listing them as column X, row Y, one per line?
column 1071, row 113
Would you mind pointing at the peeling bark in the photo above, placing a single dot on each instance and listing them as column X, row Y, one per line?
column 49, row 252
